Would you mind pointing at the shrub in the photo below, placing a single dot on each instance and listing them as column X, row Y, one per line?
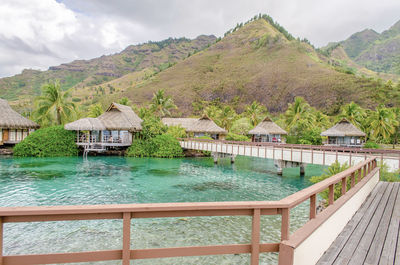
column 387, row 176
column 160, row 146
column 151, row 127
column 166, row 146
column 334, row 169
column 237, row 137
column 48, row 142
column 371, row 145
column 176, row 131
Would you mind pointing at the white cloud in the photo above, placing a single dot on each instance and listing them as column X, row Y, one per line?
column 41, row 33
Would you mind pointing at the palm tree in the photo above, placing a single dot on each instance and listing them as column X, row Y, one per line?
column 298, row 110
column 161, row 104
column 353, row 113
column 95, row 110
column 54, row 105
column 383, row 123
column 255, row 112
column 226, row 116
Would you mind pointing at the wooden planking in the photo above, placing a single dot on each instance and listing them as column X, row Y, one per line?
column 389, row 248
column 375, row 250
column 372, row 236
column 368, row 234
column 351, row 245
column 337, row 246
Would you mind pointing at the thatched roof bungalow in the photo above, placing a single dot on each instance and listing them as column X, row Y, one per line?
column 267, row 131
column 13, row 126
column 344, row 133
column 197, row 127
column 115, row 127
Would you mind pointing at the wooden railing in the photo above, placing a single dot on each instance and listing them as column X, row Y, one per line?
column 361, row 173
column 380, row 154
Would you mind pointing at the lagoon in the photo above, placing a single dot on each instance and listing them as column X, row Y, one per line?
column 115, row 180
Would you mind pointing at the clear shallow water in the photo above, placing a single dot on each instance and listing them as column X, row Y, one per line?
column 112, row 180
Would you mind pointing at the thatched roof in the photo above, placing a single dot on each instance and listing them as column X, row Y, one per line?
column 343, row 128
column 267, row 126
column 12, row 119
column 121, row 117
column 204, row 124
column 86, row 124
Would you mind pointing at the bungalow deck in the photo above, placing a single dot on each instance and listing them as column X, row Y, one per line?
column 372, row 235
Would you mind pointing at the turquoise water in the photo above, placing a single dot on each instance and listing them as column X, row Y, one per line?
column 112, row 180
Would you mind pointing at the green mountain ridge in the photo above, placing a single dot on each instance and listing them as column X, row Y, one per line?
column 151, row 55
column 377, row 52
column 258, row 60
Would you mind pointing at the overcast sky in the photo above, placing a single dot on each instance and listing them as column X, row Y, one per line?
column 40, row 33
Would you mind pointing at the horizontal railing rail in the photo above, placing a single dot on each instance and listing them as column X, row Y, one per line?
column 127, row 212
column 331, row 148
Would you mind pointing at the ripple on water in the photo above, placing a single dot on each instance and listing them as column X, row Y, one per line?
column 111, row 180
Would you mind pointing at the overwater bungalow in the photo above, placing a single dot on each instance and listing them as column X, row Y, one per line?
column 344, row 133
column 196, row 127
column 267, row 131
column 114, row 128
column 13, row 126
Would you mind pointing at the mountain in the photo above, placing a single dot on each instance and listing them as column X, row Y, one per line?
column 377, row 52
column 255, row 62
column 258, row 60
column 80, row 73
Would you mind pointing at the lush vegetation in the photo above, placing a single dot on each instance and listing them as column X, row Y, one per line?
column 48, row 142
column 164, row 145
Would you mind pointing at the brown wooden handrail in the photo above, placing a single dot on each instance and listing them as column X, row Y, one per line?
column 126, row 212
column 300, row 146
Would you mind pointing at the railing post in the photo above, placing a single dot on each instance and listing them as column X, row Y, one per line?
column 331, row 194
column 255, row 238
column 312, row 155
column 313, row 206
column 1, row 240
column 353, row 179
column 126, row 241
column 285, row 225
column 365, row 171
column 344, row 184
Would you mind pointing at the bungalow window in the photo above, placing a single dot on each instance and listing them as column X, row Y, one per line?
column 19, row 135
column 12, row 135
column 24, row 134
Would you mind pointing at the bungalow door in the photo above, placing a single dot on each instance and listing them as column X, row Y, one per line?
column 5, row 135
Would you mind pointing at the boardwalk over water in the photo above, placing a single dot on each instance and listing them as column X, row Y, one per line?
column 302, row 154
column 372, row 235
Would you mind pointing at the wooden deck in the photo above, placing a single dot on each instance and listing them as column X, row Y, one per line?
column 372, row 235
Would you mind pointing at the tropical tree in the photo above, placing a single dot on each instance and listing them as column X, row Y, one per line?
column 321, row 120
column 95, row 110
column 298, row 110
column 54, row 106
column 225, row 117
column 256, row 112
column 354, row 114
column 161, row 105
column 383, row 123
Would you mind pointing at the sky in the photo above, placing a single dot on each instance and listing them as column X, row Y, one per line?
column 37, row 34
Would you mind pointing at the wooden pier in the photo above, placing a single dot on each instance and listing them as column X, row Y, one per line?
column 372, row 235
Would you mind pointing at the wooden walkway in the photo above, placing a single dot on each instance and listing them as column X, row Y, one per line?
column 372, row 235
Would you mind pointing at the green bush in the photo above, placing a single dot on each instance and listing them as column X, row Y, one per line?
column 160, row 146
column 237, row 137
column 166, row 146
column 371, row 145
column 386, row 175
column 151, row 127
column 48, row 142
column 176, row 131
column 334, row 169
